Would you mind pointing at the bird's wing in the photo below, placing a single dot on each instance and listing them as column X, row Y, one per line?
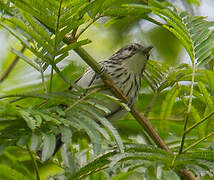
column 86, row 79
column 90, row 78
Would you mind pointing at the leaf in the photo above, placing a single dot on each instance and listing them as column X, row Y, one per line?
column 28, row 119
column 33, row 35
column 167, row 105
column 72, row 46
column 206, row 95
column 66, row 134
column 188, row 29
column 23, row 140
column 210, row 77
column 89, row 126
column 12, row 174
column 22, row 56
column 109, row 126
column 36, row 142
column 49, row 146
column 41, row 30
column 197, row 118
column 68, row 159
column 168, row 175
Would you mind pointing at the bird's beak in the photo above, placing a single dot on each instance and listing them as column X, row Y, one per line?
column 147, row 50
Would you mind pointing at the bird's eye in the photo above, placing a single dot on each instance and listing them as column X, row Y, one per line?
column 130, row 48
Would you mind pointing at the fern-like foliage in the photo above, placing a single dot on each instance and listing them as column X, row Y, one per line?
column 193, row 31
column 36, row 121
column 43, row 123
column 143, row 158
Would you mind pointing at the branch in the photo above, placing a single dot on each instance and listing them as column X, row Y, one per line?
column 11, row 66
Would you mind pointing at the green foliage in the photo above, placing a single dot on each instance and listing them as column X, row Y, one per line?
column 192, row 31
column 33, row 120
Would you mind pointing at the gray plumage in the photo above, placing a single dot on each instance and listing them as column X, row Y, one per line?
column 125, row 67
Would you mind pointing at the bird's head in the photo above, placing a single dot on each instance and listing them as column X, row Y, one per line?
column 131, row 50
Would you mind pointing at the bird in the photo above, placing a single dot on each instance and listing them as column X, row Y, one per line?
column 125, row 68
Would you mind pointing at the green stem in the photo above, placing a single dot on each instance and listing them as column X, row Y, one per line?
column 197, row 142
column 34, row 163
column 198, row 123
column 149, row 108
column 87, row 26
column 55, row 43
column 51, row 81
column 11, row 66
column 189, row 108
column 81, row 99
column 43, row 78
column 153, row 21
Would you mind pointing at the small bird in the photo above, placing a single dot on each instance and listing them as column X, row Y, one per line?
column 125, row 68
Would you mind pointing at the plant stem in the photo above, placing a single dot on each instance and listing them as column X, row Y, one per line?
column 85, row 28
column 81, row 99
column 11, row 66
column 197, row 142
column 188, row 108
column 51, row 81
column 149, row 108
column 198, row 123
column 43, row 78
column 55, row 43
column 153, row 21
column 34, row 163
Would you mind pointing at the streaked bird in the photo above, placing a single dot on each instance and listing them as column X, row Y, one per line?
column 125, row 68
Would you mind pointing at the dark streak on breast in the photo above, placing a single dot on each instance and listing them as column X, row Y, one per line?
column 129, row 89
column 119, row 75
column 126, row 79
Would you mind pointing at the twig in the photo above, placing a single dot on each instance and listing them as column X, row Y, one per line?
column 10, row 68
column 167, row 119
column 55, row 45
column 43, row 78
column 34, row 163
column 149, row 108
column 81, row 99
column 197, row 142
column 85, row 28
column 189, row 108
column 198, row 123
